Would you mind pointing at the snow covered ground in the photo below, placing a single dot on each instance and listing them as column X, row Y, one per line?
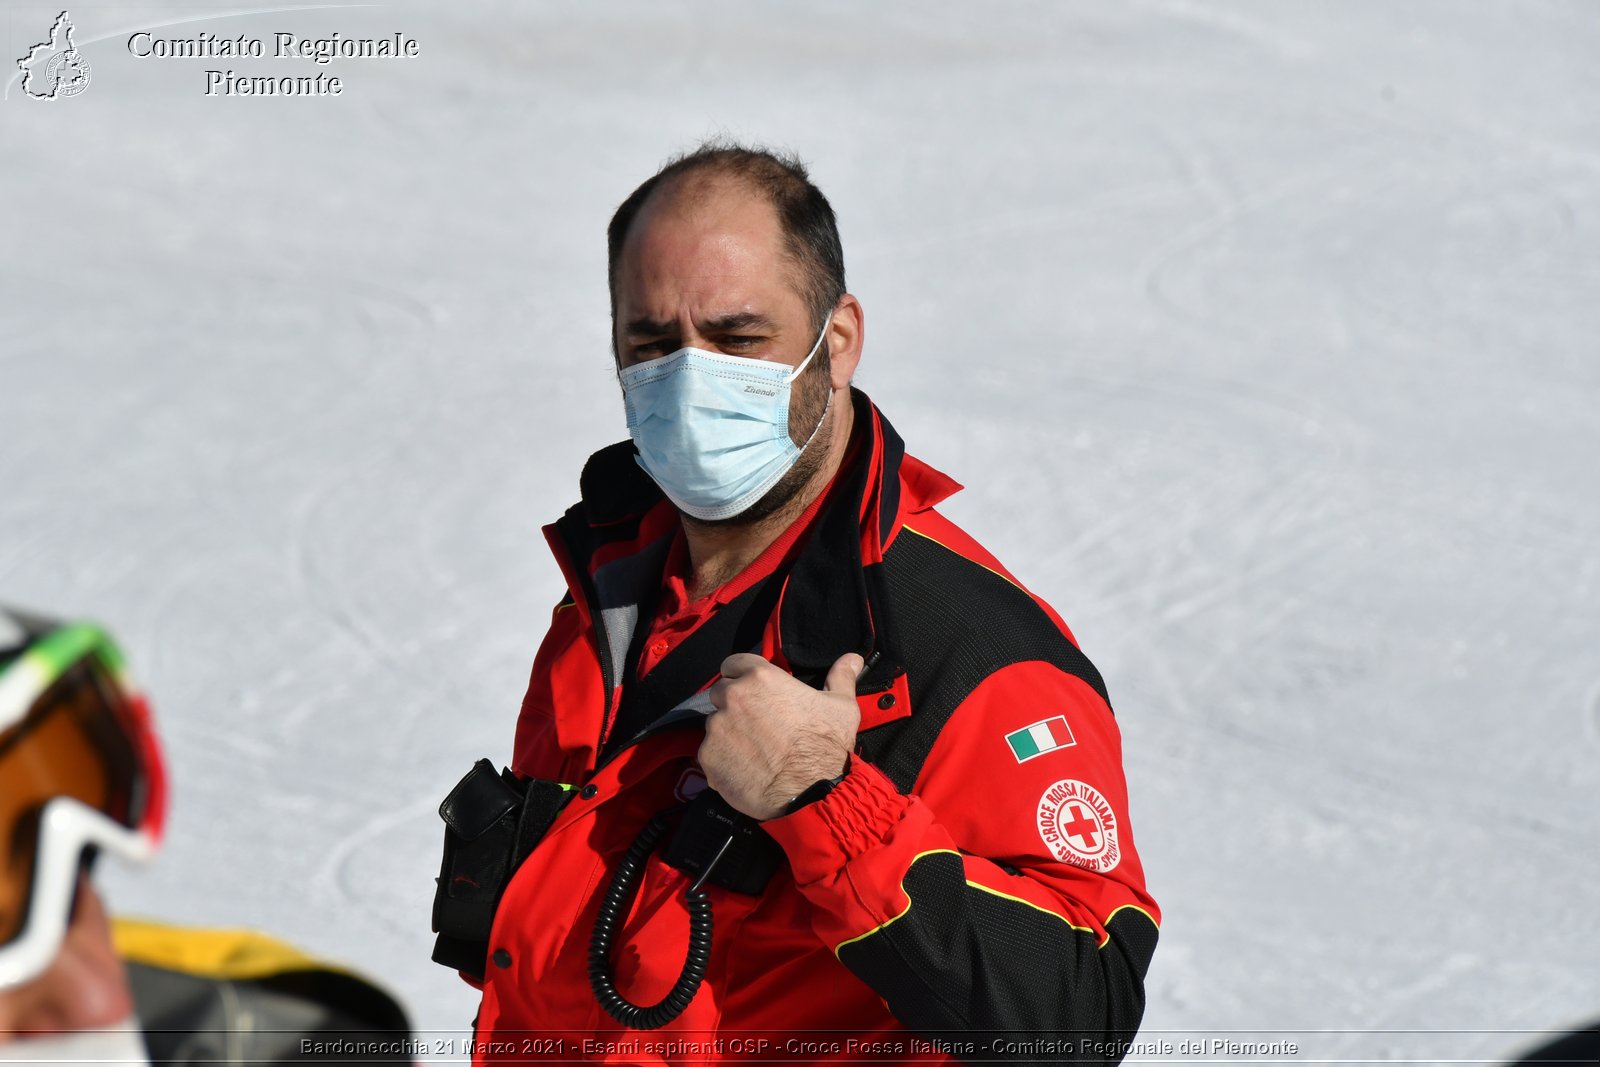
column 1277, row 308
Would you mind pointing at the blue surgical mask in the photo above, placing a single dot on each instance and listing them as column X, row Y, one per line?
column 713, row 430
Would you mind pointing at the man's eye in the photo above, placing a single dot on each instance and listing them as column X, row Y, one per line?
column 650, row 350
column 740, row 341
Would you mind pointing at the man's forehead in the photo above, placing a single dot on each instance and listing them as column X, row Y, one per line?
column 707, row 195
column 720, row 242
column 711, row 218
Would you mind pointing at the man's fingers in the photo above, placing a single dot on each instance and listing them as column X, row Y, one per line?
column 842, row 675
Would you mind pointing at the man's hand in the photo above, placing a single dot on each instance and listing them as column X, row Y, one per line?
column 772, row 735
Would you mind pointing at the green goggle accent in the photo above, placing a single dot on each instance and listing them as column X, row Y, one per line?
column 48, row 656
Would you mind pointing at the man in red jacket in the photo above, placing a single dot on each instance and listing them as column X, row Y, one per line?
column 765, row 605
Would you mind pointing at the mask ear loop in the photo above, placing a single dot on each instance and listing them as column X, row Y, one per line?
column 827, row 405
column 815, row 348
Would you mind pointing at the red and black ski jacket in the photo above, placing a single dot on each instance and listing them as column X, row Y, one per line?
column 972, row 879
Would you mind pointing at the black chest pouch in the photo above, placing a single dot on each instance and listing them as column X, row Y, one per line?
column 491, row 822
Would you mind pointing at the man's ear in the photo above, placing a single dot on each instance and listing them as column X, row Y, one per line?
column 846, row 332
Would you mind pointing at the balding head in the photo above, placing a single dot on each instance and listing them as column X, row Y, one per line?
column 713, row 178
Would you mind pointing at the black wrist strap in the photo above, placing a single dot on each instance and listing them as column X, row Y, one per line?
column 815, row 792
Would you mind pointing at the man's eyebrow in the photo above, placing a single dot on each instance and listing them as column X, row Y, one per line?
column 644, row 326
column 739, row 320
column 730, row 323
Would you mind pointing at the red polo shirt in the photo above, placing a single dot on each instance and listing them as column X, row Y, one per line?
column 677, row 616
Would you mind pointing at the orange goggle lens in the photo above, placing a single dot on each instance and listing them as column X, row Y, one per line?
column 83, row 738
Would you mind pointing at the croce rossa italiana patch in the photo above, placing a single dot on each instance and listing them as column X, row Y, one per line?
column 1079, row 826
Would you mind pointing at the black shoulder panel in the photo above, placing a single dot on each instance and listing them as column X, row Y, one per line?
column 955, row 623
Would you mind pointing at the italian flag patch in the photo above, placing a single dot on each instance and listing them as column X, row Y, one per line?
column 1041, row 737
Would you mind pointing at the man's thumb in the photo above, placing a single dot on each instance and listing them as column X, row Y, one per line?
column 842, row 675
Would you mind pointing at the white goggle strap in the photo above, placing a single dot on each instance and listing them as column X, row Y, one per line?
column 65, row 827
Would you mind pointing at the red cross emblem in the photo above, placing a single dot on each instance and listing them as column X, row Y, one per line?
column 1079, row 826
column 1084, row 827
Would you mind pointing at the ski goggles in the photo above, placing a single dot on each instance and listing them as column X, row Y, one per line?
column 80, row 770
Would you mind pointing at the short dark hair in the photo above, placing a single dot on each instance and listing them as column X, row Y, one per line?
column 810, row 231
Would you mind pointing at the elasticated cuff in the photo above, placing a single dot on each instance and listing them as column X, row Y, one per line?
column 858, row 816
